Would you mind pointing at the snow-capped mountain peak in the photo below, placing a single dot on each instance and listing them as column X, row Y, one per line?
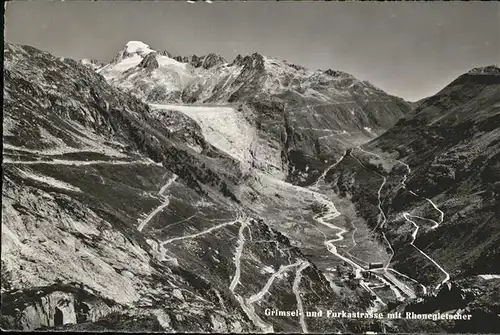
column 137, row 46
column 158, row 77
column 138, row 66
column 133, row 49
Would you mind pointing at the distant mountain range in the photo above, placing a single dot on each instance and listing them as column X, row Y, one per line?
column 162, row 193
column 319, row 113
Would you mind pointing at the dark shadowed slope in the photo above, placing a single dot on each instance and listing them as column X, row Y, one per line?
column 452, row 145
column 434, row 179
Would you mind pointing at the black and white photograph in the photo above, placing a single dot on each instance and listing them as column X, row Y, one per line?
column 251, row 167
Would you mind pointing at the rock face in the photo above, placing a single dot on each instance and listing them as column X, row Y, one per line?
column 492, row 70
column 165, row 53
column 149, row 62
column 205, row 62
column 54, row 306
column 55, row 309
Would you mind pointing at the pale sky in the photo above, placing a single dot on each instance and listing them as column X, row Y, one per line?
column 409, row 49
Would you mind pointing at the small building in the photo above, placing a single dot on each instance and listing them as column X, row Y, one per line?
column 376, row 265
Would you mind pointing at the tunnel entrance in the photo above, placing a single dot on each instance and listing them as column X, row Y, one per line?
column 58, row 317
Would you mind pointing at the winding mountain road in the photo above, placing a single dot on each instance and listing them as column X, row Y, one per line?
column 379, row 197
column 323, row 175
column 382, row 217
column 300, row 307
column 160, row 207
column 247, row 304
column 237, row 257
column 204, row 232
column 414, row 237
column 247, row 307
column 331, row 214
column 259, row 295
column 441, row 213
column 407, row 215
column 415, row 232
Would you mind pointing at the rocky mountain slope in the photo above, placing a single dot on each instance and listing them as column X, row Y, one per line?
column 301, row 120
column 429, row 188
column 116, row 215
column 451, row 143
column 77, row 181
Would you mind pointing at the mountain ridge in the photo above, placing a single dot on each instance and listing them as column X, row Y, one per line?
column 324, row 111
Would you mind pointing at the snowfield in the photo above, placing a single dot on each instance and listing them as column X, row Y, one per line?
column 223, row 127
column 228, row 130
column 137, row 47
